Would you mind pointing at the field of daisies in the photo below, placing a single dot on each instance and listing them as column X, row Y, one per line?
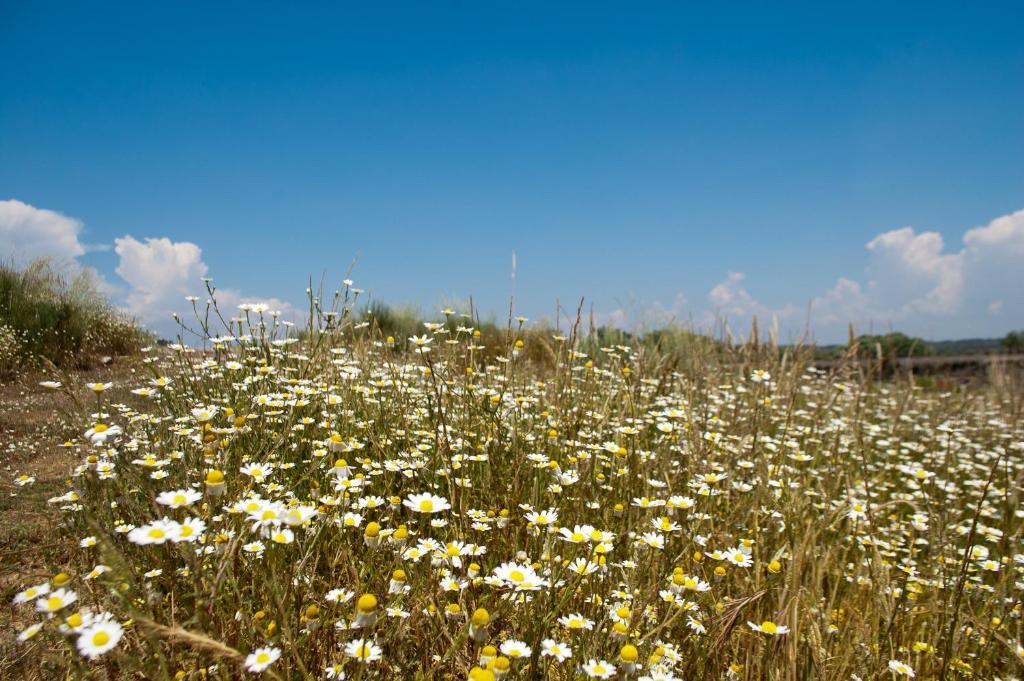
column 332, row 502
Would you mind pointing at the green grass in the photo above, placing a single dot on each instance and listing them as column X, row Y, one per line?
column 47, row 316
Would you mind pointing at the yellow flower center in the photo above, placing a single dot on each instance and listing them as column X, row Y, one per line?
column 427, row 505
column 769, row 627
column 367, row 603
column 157, row 533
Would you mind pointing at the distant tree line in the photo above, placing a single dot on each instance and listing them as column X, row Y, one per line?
column 1014, row 342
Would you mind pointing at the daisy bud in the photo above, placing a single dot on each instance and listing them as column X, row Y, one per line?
column 399, row 536
column 312, row 618
column 478, row 674
column 478, row 625
column 366, row 611
column 487, row 655
column 628, row 656
column 371, row 535
column 397, row 584
column 215, row 484
column 500, row 667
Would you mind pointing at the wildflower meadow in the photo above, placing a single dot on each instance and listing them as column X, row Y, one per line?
column 325, row 500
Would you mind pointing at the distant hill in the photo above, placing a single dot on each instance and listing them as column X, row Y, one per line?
column 965, row 346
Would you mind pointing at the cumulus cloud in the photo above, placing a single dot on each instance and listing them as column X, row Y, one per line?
column 163, row 273
column 916, row 283
column 27, row 232
column 1005, row 234
column 915, row 273
column 160, row 272
column 911, row 281
column 730, row 301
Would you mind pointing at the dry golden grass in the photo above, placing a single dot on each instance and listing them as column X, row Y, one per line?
column 673, row 501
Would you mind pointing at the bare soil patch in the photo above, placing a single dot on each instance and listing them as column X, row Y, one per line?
column 34, row 422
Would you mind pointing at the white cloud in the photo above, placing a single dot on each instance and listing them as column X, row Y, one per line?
column 228, row 301
column 916, row 285
column 160, row 272
column 911, row 282
column 163, row 273
column 1005, row 234
column 729, row 298
column 914, row 274
column 27, row 232
column 730, row 301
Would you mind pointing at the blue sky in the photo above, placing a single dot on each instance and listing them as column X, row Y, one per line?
column 642, row 155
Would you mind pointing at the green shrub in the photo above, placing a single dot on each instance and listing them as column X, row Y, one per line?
column 45, row 316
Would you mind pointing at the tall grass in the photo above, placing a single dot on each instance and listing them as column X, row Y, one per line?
column 45, row 316
column 713, row 510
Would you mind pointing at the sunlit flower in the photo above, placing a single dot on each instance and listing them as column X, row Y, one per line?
column 515, row 649
column 599, row 669
column 552, row 648
column 179, row 498
column 261, row 658
column 363, row 650
column 99, row 637
column 56, row 600
column 426, row 503
column 769, row 627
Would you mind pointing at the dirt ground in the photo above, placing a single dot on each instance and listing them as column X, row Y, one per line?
column 34, row 422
